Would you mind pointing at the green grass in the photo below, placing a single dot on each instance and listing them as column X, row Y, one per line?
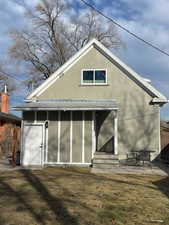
column 74, row 196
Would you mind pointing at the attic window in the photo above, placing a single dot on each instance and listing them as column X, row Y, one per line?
column 94, row 77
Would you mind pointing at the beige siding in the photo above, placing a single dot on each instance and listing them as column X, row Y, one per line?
column 138, row 120
column 119, row 85
column 65, row 137
column 53, row 141
column 139, row 129
column 53, row 137
column 77, row 137
column 88, row 137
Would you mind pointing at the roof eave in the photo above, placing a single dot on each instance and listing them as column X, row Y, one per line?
column 63, row 109
column 160, row 100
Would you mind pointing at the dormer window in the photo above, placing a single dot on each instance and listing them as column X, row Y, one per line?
column 94, row 77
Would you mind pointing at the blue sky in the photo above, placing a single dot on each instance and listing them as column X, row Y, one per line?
column 148, row 19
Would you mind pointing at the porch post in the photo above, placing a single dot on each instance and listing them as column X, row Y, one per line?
column 93, row 133
column 115, row 133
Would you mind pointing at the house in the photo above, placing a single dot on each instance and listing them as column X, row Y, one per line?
column 9, row 129
column 94, row 107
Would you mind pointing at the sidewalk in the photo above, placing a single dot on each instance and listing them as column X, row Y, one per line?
column 5, row 165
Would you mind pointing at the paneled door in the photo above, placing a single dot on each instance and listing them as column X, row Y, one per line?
column 32, row 145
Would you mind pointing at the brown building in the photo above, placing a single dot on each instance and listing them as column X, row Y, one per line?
column 9, row 129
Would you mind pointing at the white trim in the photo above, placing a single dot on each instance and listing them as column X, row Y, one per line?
column 35, row 117
column 43, row 144
column 94, row 43
column 94, row 83
column 59, row 128
column 47, row 133
column 71, row 135
column 21, row 145
column 68, row 163
column 83, row 136
column 158, row 100
column 116, row 134
column 93, row 133
column 159, row 129
column 65, row 109
column 32, row 124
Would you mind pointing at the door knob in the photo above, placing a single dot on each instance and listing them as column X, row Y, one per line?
column 41, row 145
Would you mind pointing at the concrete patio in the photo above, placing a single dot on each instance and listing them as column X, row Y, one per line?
column 156, row 168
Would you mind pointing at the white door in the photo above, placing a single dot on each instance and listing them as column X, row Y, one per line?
column 32, row 149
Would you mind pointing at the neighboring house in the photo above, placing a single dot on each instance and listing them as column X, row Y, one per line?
column 164, row 141
column 93, row 103
column 9, row 129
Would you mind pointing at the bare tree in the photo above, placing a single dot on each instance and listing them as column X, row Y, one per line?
column 49, row 40
column 5, row 79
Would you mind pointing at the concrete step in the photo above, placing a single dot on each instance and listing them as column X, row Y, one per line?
column 105, row 156
column 105, row 166
column 105, row 161
column 103, row 153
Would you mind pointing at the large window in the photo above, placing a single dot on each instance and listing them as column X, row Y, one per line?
column 94, row 77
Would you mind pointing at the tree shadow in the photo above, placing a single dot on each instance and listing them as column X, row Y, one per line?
column 99, row 178
column 55, row 204
column 21, row 200
column 136, row 125
column 104, row 131
column 163, row 185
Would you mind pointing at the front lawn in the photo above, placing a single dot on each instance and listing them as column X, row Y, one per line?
column 74, row 196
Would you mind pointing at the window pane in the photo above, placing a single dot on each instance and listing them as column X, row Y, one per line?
column 88, row 76
column 100, row 76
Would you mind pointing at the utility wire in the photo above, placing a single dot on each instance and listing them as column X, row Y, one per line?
column 10, row 76
column 123, row 28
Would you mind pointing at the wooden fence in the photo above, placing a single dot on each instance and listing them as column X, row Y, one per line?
column 165, row 143
column 9, row 141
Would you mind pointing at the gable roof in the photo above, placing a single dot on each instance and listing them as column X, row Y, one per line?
column 95, row 43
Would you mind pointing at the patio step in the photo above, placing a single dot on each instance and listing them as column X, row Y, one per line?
column 104, row 160
column 102, row 155
column 105, row 165
column 107, row 161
